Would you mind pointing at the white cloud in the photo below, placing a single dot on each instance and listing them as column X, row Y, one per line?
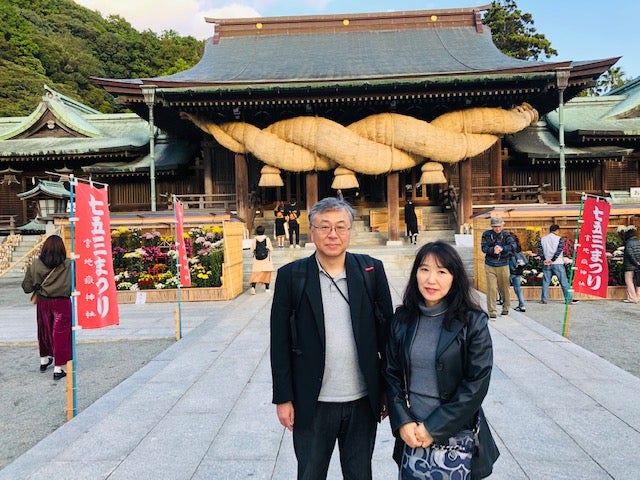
column 185, row 17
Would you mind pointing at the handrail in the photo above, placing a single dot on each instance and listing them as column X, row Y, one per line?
column 29, row 253
column 209, row 201
column 8, row 223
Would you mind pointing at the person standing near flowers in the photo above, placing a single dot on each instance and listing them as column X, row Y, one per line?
column 517, row 262
column 49, row 276
column 550, row 251
column 631, row 262
column 497, row 245
column 438, row 369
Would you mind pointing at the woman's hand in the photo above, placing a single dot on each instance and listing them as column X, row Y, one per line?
column 415, row 435
column 423, row 435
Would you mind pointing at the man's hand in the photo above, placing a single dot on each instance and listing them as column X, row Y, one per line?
column 384, row 409
column 286, row 415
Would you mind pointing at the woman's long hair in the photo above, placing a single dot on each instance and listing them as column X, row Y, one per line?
column 53, row 251
column 460, row 298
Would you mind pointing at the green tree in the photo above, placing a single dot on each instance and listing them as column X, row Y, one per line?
column 612, row 78
column 63, row 45
column 513, row 32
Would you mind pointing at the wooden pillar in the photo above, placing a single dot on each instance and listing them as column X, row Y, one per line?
column 466, row 199
column 495, row 156
column 604, row 178
column 207, row 172
column 312, row 189
column 242, row 186
column 393, row 208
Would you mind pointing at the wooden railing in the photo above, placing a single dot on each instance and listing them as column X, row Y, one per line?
column 209, row 201
column 27, row 257
column 8, row 224
column 510, row 194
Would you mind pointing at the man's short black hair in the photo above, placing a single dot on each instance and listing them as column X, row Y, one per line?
column 554, row 227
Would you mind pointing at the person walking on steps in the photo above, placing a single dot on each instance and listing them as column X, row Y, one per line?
column 279, row 228
column 292, row 213
column 49, row 279
column 262, row 266
column 411, row 220
column 550, row 251
column 329, row 321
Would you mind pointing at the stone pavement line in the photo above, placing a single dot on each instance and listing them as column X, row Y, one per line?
column 577, row 406
column 202, row 409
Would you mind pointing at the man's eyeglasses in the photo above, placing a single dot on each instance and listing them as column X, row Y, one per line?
column 326, row 229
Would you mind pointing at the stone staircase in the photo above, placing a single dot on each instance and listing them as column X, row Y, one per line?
column 397, row 259
column 26, row 243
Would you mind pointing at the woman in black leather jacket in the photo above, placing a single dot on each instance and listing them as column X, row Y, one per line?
column 439, row 361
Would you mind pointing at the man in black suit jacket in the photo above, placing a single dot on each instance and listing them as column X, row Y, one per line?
column 329, row 325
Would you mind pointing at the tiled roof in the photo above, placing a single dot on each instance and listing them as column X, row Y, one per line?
column 91, row 132
column 348, row 56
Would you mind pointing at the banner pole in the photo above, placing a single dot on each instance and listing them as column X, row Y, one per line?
column 176, row 230
column 567, row 306
column 72, row 409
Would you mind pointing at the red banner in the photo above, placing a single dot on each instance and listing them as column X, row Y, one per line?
column 185, row 275
column 97, row 300
column 592, row 270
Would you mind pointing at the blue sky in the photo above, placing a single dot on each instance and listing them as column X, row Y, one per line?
column 577, row 29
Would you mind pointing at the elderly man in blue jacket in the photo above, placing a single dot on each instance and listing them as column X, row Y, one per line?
column 497, row 245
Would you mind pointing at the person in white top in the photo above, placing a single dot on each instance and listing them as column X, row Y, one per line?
column 550, row 250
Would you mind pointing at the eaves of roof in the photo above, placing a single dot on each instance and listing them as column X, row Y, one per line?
column 54, row 189
column 168, row 155
column 538, row 142
column 608, row 115
column 39, row 147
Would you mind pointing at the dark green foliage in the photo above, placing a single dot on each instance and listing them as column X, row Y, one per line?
column 514, row 34
column 62, row 44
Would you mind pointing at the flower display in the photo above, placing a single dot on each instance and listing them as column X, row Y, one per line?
column 147, row 260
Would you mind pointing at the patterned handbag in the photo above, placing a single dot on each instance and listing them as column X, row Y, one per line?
column 440, row 462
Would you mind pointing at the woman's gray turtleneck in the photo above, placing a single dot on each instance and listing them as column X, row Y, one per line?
column 423, row 384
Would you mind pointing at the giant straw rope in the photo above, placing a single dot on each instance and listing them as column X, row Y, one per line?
column 375, row 145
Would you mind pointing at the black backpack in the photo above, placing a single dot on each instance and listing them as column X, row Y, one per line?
column 261, row 251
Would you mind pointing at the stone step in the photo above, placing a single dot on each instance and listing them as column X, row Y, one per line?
column 397, row 259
